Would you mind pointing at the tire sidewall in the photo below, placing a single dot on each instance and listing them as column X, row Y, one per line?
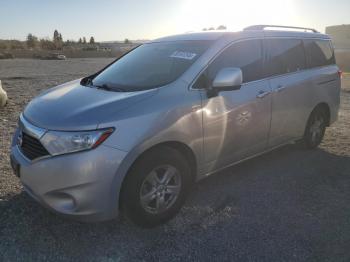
column 308, row 136
column 131, row 188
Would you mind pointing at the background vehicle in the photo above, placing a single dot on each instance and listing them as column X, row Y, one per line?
column 137, row 134
column 56, row 56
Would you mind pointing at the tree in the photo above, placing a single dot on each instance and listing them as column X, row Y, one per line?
column 84, row 40
column 92, row 40
column 46, row 44
column 80, row 40
column 32, row 41
column 56, row 36
column 204, row 29
column 57, row 40
column 221, row 27
column 127, row 41
column 211, row 28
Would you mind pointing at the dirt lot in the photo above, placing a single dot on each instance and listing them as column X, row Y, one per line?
column 288, row 205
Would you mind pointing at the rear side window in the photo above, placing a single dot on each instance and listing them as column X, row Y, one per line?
column 284, row 56
column 319, row 53
column 246, row 55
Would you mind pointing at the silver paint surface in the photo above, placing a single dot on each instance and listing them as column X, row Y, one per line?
column 220, row 131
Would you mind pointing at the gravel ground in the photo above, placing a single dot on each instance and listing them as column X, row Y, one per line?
column 287, row 205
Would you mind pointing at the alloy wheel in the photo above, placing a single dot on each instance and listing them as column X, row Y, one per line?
column 160, row 189
column 317, row 129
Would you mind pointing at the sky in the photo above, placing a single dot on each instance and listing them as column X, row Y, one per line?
column 109, row 20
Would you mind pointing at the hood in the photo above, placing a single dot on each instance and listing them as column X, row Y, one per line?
column 71, row 106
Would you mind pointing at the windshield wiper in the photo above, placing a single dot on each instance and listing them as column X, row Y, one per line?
column 109, row 88
column 104, row 87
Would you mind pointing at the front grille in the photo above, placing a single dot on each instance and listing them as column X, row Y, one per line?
column 32, row 148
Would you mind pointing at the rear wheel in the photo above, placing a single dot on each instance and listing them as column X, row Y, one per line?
column 315, row 129
column 156, row 187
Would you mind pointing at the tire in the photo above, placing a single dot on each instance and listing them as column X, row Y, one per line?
column 315, row 128
column 146, row 198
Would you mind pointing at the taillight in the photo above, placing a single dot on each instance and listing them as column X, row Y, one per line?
column 340, row 73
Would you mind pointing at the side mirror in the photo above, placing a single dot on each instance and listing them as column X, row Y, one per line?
column 227, row 79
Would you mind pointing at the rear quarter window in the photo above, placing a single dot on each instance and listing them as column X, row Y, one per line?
column 319, row 53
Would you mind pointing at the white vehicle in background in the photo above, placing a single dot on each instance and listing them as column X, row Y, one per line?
column 3, row 96
column 60, row 57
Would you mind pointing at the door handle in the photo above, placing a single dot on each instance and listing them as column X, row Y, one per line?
column 280, row 88
column 262, row 94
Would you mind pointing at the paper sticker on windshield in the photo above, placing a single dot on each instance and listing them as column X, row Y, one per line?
column 183, row 55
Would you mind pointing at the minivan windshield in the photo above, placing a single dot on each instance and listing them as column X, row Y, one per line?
column 150, row 65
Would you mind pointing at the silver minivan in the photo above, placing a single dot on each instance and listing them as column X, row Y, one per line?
column 136, row 135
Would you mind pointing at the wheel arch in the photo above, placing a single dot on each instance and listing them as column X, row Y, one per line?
column 184, row 149
column 325, row 108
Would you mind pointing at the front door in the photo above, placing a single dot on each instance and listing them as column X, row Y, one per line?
column 236, row 123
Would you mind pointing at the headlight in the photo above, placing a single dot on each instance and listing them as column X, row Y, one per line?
column 57, row 143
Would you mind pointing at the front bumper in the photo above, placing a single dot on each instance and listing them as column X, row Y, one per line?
column 84, row 186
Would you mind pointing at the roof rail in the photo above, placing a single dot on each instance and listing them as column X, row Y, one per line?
column 262, row 27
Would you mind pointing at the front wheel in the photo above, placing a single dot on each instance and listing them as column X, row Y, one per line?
column 315, row 129
column 156, row 187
